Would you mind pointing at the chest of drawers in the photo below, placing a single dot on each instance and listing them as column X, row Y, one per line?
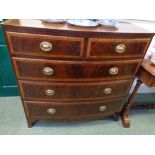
column 72, row 73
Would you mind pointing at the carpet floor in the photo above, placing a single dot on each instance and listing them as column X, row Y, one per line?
column 13, row 122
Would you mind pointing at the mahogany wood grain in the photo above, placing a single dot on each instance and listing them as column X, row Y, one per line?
column 31, row 69
column 73, row 91
column 105, row 48
column 39, row 109
column 29, row 44
column 81, row 58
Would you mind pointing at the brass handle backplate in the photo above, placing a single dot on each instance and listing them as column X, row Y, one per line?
column 51, row 111
column 49, row 92
column 107, row 91
column 48, row 71
column 102, row 108
column 113, row 71
column 46, row 46
column 120, row 48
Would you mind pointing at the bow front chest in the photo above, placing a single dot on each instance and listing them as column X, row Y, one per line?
column 66, row 72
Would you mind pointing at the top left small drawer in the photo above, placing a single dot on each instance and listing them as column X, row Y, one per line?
column 45, row 45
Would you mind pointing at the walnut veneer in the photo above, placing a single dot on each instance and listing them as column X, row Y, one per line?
column 66, row 72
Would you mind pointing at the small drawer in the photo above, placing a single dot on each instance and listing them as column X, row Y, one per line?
column 146, row 77
column 117, row 48
column 45, row 45
column 74, row 70
column 80, row 109
column 73, row 91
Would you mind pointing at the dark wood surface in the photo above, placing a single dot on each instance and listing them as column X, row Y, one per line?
column 101, row 48
column 79, row 109
column 146, row 75
column 29, row 44
column 31, row 69
column 126, row 109
column 147, row 78
column 81, row 59
column 73, row 91
column 148, row 66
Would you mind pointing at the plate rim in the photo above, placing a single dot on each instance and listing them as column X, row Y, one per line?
column 68, row 21
column 46, row 20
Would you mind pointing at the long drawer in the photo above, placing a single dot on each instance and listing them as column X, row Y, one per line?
column 73, row 91
column 117, row 48
column 80, row 109
column 37, row 69
column 45, row 45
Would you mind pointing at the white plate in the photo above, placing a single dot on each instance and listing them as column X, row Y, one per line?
column 53, row 20
column 108, row 22
column 82, row 22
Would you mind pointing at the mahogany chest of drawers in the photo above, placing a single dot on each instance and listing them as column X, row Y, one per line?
column 72, row 73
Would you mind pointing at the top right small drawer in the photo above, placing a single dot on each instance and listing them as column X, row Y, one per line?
column 117, row 48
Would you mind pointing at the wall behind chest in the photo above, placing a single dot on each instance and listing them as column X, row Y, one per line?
column 8, row 85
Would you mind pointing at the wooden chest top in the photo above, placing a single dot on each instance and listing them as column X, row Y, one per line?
column 39, row 26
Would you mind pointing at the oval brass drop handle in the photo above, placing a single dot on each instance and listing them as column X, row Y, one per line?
column 46, row 46
column 107, row 91
column 120, row 48
column 102, row 108
column 47, row 71
column 49, row 92
column 51, row 111
column 113, row 71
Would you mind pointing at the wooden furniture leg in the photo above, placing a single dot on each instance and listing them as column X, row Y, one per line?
column 31, row 122
column 116, row 116
column 125, row 111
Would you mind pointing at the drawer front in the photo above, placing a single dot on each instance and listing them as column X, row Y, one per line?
column 146, row 77
column 45, row 45
column 117, row 48
column 52, row 110
column 73, row 91
column 74, row 70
